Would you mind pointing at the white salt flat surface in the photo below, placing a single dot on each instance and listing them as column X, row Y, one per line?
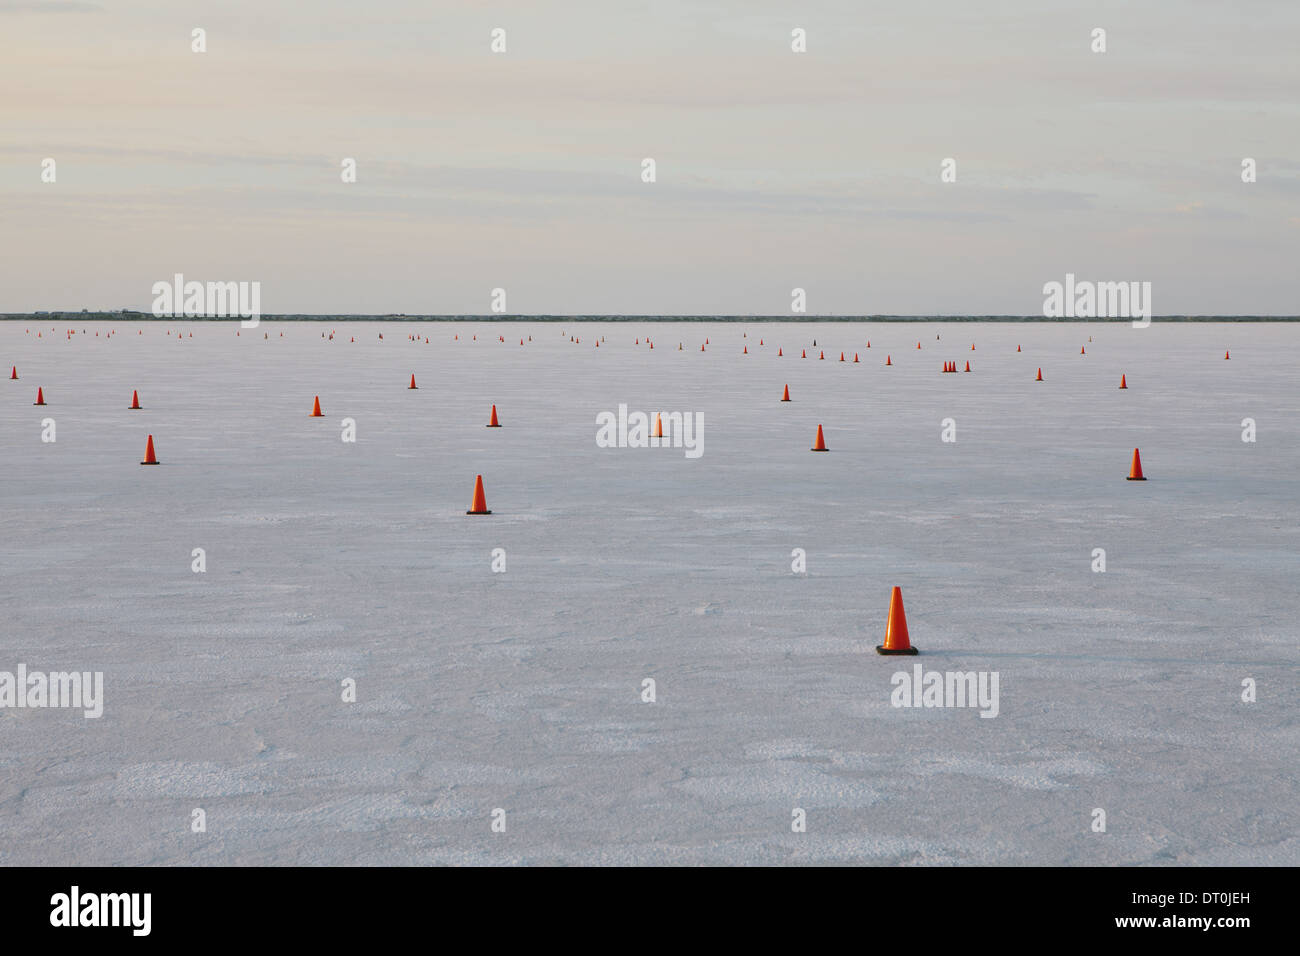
column 521, row 690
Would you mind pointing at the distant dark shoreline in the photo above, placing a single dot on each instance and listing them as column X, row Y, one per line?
column 147, row 317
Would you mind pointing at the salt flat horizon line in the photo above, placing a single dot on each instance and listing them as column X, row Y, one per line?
column 142, row 316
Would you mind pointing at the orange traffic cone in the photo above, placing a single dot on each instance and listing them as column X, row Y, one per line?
column 1017, row 348
column 820, row 444
column 918, row 345
column 968, row 365
column 1225, row 356
column 786, row 396
column 1083, row 350
column 887, row 361
column 779, row 353
column 1135, row 470
column 868, row 343
column 480, row 501
column 746, row 352
column 803, row 353
column 40, row 397
column 494, row 423
column 412, row 385
column 135, row 401
column 855, row 356
column 823, row 357
column 1123, row 382
column 14, row 374
column 149, row 457
column 1040, row 376
column 659, row 425
column 841, row 356
column 315, row 410
column 896, row 638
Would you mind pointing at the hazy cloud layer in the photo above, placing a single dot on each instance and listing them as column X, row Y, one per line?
column 775, row 169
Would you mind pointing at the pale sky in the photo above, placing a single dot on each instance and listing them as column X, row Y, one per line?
column 775, row 170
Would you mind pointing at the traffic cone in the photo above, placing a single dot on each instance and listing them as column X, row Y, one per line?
column 315, row 410
column 868, row 343
column 1135, row 470
column 1083, row 350
column 918, row 345
column 480, row 501
column 1040, row 376
column 803, row 353
column 40, row 397
column 841, row 356
column 494, row 423
column 412, row 385
column 823, row 357
column 14, row 374
column 1123, row 382
column 968, row 365
column 1225, row 356
column 659, row 425
column 149, row 457
column 896, row 637
column 887, row 361
column 820, row 444
column 855, row 357
column 786, row 396
column 746, row 352
column 779, row 353
column 1017, row 348
column 135, row 401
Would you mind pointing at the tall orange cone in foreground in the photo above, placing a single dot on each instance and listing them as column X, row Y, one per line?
column 315, row 409
column 1135, row 470
column 480, row 502
column 896, row 639
column 820, row 444
column 149, row 457
column 135, row 401
column 412, row 385
column 786, row 396
column 1040, row 375
column 1123, row 382
column 40, row 397
column 494, row 423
